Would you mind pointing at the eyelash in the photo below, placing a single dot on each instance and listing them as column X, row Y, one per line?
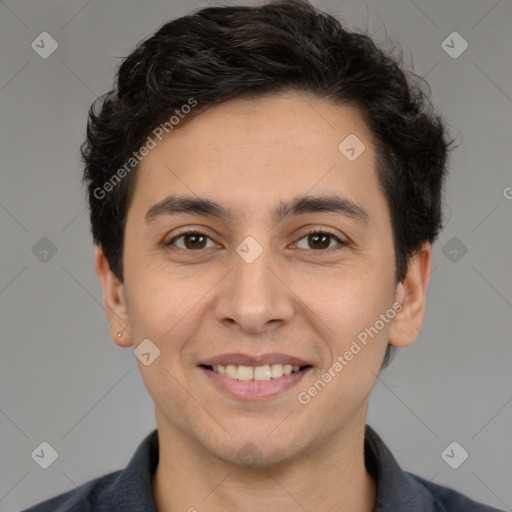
column 341, row 243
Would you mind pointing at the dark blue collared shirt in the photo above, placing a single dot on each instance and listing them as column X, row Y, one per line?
column 129, row 490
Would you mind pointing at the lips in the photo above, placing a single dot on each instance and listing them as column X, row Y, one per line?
column 254, row 386
column 239, row 359
column 249, row 377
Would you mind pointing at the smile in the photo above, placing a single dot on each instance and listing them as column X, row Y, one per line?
column 254, row 382
column 264, row 372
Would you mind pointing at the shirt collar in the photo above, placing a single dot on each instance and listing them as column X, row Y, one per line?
column 396, row 490
column 132, row 489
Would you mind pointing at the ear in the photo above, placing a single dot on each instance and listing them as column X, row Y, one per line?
column 114, row 298
column 411, row 293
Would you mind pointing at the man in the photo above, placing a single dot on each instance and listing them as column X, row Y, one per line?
column 265, row 187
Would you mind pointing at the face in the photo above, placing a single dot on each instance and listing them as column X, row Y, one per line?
column 235, row 291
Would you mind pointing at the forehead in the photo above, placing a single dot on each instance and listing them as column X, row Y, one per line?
column 245, row 152
column 302, row 124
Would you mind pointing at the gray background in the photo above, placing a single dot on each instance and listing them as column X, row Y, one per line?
column 64, row 381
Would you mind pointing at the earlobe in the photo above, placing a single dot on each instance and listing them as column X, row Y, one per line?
column 115, row 300
column 411, row 293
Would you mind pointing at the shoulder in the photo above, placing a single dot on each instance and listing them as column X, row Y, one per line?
column 94, row 495
column 403, row 491
column 123, row 490
column 447, row 499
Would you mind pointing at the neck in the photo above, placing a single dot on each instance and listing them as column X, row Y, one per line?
column 333, row 477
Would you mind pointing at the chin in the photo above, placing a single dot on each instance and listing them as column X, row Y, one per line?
column 258, row 451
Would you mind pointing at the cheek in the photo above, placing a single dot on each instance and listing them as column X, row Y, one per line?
column 159, row 305
column 356, row 341
column 354, row 349
column 346, row 300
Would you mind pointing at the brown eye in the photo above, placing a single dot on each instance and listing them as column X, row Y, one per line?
column 192, row 240
column 320, row 240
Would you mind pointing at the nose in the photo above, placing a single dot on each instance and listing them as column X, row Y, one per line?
column 253, row 297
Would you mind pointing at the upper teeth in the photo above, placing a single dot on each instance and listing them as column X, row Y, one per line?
column 265, row 372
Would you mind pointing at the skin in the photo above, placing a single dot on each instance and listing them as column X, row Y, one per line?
column 298, row 297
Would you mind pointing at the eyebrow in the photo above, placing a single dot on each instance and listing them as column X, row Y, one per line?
column 176, row 205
